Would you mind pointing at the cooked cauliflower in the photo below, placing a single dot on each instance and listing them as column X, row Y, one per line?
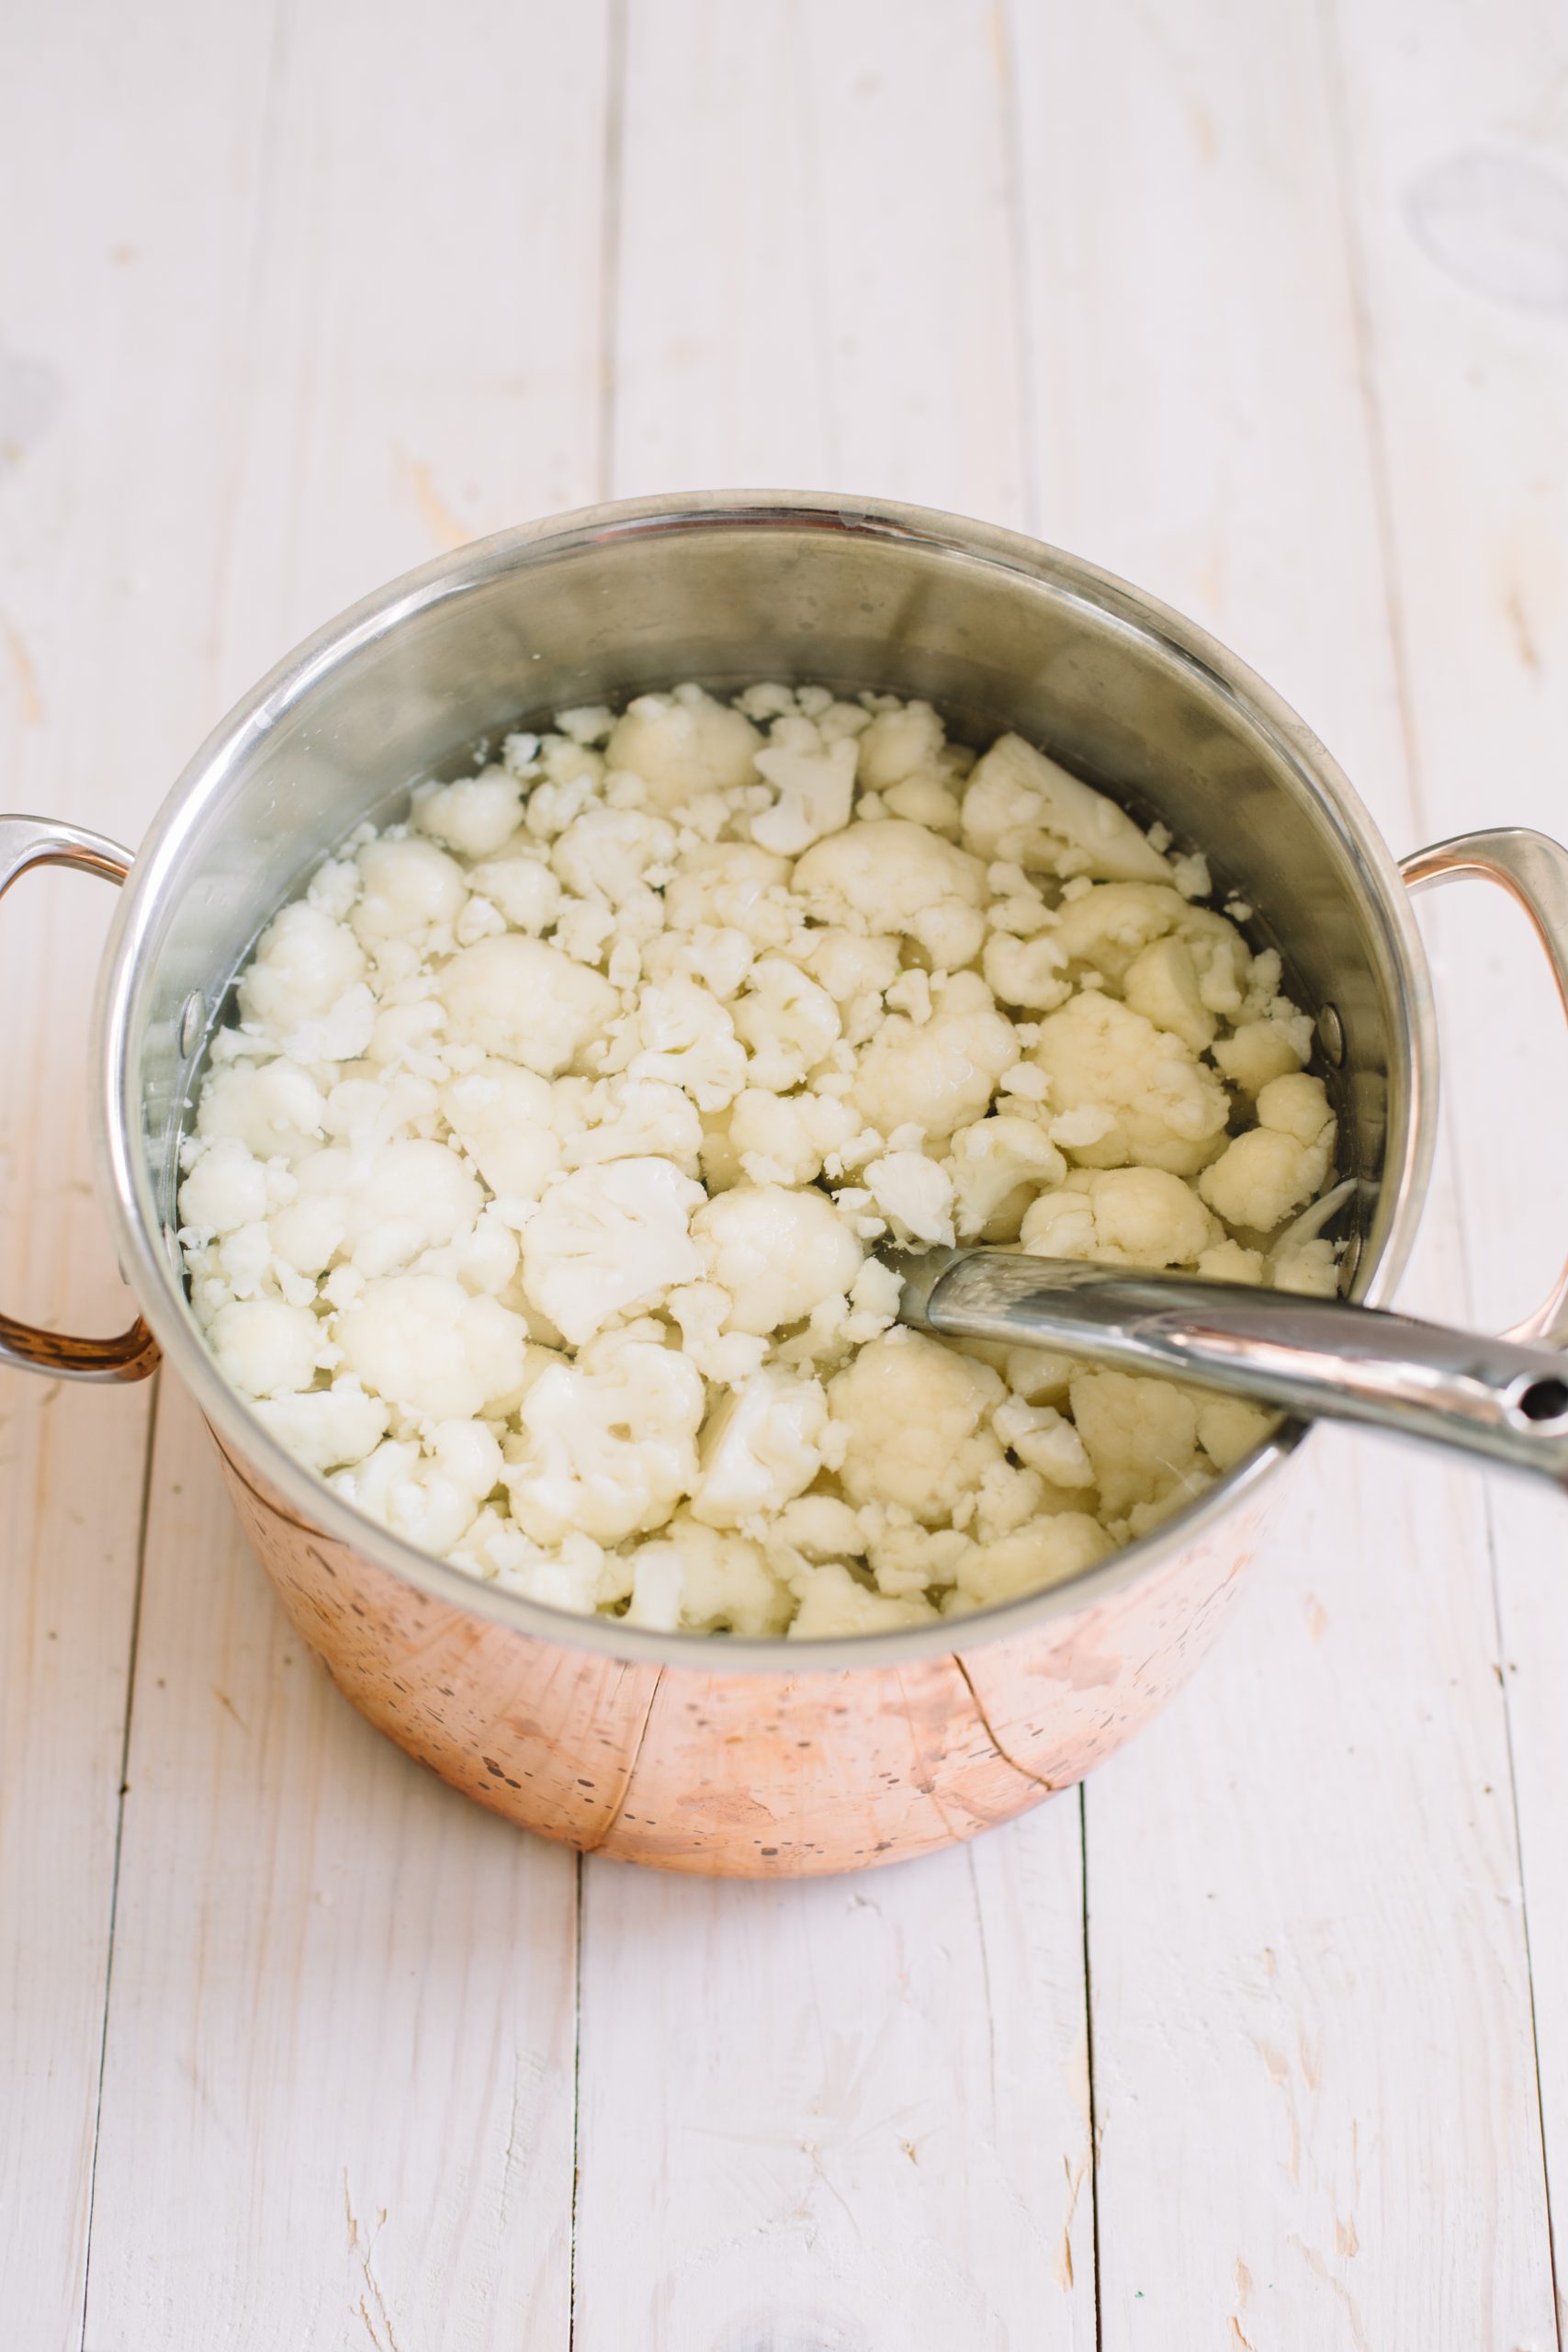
column 531, row 1196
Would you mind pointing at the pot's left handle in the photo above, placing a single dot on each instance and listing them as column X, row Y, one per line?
column 27, row 841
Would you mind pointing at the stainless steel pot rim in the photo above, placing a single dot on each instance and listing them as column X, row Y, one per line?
column 127, row 1191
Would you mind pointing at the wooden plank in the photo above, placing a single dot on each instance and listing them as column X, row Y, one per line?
column 854, row 2112
column 1458, row 162
column 1313, row 2072
column 104, row 367
column 338, row 2089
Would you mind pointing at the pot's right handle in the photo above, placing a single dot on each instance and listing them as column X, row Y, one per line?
column 27, row 841
column 1533, row 869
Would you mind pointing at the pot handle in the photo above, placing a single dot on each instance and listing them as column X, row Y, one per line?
column 27, row 841
column 1533, row 869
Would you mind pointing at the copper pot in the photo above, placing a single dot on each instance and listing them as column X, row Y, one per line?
column 750, row 1758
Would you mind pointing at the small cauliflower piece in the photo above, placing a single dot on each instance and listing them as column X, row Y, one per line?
column 899, row 743
column 785, row 1138
column 265, row 1348
column 304, row 966
column 939, row 1074
column 608, row 1240
column 433, row 1352
column 1272, row 1168
column 731, row 886
column 1044, row 1441
column 1141, row 1436
column 410, row 891
column 326, row 1428
column 914, row 1193
column 1046, row 1552
column 1261, row 1051
column 915, row 1418
column 1229, row 1429
column 683, row 744
column 1164, row 1108
column 787, row 1021
column 815, row 785
column 997, row 1167
column 720, row 1582
column 889, row 877
column 226, row 1188
column 761, row 1447
column 606, row 1445
column 502, row 1117
column 778, row 1253
column 636, row 1118
column 275, row 1111
column 522, row 1002
column 606, row 852
column 1162, row 984
column 523, row 890
column 1027, row 972
column 833, row 1602
column 475, row 815
column 1121, row 1216
column 683, row 1036
column 1024, row 808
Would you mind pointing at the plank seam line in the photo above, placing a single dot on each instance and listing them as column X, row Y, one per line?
column 143, row 1525
column 1376, row 429
column 596, row 1844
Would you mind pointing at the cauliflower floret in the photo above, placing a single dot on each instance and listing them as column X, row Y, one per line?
column 914, row 1193
column 411, row 890
column 762, row 1447
column 732, row 886
column 888, row 876
column 304, row 988
column 939, row 1074
column 502, row 1117
column 609, row 1239
column 708, row 1579
column 899, row 744
column 996, row 1167
column 636, row 1118
column 682, row 744
column 522, row 1001
column 1161, row 1107
column 787, row 1021
column 277, row 1111
column 325, row 1427
column 473, row 816
column 1044, row 1441
column 1229, row 1429
column 521, row 888
column 815, row 782
column 1027, row 972
column 226, row 1188
column 1162, row 984
column 1264, row 1174
column 1046, row 1552
column 1141, row 1436
column 607, row 1444
column 834, row 1602
column 778, row 1253
column 433, row 1352
column 608, row 852
column 1022, row 807
column 1261, row 1051
column 1121, row 1216
column 265, row 1348
column 915, row 1419
column 785, row 1138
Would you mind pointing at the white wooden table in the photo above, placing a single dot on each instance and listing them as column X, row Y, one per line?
column 1262, row 2044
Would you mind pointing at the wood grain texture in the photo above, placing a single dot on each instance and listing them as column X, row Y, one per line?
column 1457, row 156
column 803, row 302
column 1264, row 308
column 338, row 2087
column 1314, row 2074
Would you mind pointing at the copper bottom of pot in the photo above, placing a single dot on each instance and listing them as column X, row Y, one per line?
column 745, row 1775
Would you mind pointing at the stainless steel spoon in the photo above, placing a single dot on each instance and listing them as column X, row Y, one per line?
column 1320, row 1358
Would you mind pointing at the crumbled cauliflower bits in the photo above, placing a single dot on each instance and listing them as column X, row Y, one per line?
column 533, row 1195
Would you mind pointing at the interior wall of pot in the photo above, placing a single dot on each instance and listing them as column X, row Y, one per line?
column 538, row 628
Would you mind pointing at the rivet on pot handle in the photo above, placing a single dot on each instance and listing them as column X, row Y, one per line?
column 1533, row 869
column 27, row 841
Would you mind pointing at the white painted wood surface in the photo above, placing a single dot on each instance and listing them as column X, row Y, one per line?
column 1268, row 309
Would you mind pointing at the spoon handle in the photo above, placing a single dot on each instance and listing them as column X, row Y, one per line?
column 1320, row 1358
